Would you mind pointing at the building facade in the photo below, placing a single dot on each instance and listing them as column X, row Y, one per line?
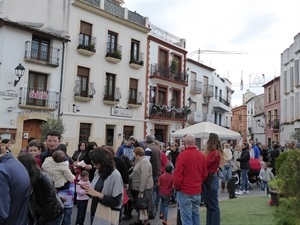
column 272, row 111
column 239, row 120
column 290, row 91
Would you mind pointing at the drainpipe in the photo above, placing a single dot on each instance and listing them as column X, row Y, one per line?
column 61, row 79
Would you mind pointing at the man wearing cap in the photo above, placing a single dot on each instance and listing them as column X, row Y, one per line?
column 14, row 191
column 152, row 152
column 127, row 149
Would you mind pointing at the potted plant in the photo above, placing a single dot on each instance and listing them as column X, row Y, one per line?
column 173, row 66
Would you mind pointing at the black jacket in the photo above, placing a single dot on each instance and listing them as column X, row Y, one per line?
column 45, row 204
column 244, row 160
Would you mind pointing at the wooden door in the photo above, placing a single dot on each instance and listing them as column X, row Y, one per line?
column 31, row 128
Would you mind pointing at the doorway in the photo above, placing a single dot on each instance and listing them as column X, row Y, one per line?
column 161, row 133
column 110, row 132
column 31, row 128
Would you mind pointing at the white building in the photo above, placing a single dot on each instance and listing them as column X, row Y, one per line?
column 104, row 71
column 290, row 90
column 27, row 101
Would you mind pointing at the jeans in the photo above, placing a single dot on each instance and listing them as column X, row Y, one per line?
column 264, row 185
column 67, row 216
column 189, row 208
column 244, row 180
column 155, row 196
column 212, row 202
column 164, row 205
column 227, row 173
column 57, row 221
column 81, row 211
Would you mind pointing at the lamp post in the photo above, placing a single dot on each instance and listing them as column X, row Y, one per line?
column 19, row 71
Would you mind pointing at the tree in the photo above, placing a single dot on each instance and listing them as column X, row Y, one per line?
column 52, row 124
column 296, row 135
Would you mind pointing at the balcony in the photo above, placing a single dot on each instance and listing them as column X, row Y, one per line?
column 86, row 44
column 208, row 90
column 84, row 92
column 111, row 96
column 137, row 62
column 195, row 87
column 167, row 74
column 208, row 117
column 38, row 99
column 158, row 111
column 221, row 105
column 45, row 55
column 195, row 117
column 275, row 124
column 113, row 54
column 135, row 101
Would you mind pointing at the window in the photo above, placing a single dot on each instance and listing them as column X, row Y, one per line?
column 297, row 72
column 291, row 109
column 216, row 92
column 84, row 132
column 292, row 78
column 285, row 85
column 37, row 89
column 110, row 87
column 40, row 48
column 133, row 86
column 83, row 81
column 112, row 42
column 176, row 99
column 127, row 132
column 275, row 91
column 85, row 36
column 269, row 118
column 134, row 51
column 269, row 95
column 162, row 96
column 163, row 59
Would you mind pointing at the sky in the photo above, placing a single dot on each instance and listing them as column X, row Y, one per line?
column 260, row 29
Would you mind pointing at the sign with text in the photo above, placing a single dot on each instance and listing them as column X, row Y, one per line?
column 9, row 94
column 121, row 112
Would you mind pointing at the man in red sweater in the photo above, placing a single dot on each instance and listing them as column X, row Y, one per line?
column 189, row 174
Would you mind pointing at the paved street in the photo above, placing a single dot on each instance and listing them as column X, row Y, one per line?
column 173, row 211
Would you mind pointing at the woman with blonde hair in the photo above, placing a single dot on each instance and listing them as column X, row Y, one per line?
column 226, row 169
column 214, row 159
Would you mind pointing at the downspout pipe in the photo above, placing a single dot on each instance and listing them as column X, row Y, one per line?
column 61, row 80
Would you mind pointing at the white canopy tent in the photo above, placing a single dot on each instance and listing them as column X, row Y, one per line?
column 202, row 130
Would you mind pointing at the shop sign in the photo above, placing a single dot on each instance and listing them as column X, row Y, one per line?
column 121, row 112
column 9, row 94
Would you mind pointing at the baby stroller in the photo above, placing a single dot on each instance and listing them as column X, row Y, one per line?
column 253, row 174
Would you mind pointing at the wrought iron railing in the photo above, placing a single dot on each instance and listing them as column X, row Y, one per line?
column 112, row 94
column 46, row 54
column 38, row 97
column 114, row 51
column 137, row 58
column 86, row 42
column 196, row 87
column 168, row 74
column 208, row 90
column 83, row 89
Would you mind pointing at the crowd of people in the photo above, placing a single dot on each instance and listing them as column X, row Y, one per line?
column 44, row 183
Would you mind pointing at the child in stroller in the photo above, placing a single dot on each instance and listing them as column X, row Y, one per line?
column 253, row 174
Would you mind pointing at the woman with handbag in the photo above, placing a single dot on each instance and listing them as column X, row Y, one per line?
column 214, row 159
column 46, row 207
column 106, row 189
column 142, row 185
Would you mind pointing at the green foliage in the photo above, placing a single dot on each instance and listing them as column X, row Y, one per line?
column 296, row 135
column 173, row 66
column 288, row 180
column 52, row 124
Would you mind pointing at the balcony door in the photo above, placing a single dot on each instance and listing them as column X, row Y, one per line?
column 163, row 59
column 85, row 34
column 37, row 89
column 83, row 81
column 40, row 48
column 110, row 87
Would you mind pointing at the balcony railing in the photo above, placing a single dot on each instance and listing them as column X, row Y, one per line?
column 168, row 74
column 276, row 124
column 39, row 98
column 113, row 51
column 47, row 54
column 84, row 90
column 208, row 90
column 117, row 10
column 137, row 58
column 86, row 42
column 112, row 94
column 225, row 102
column 196, row 87
column 135, row 98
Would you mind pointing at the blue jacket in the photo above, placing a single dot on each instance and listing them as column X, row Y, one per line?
column 14, row 192
column 126, row 150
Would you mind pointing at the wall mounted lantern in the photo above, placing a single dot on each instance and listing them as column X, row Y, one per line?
column 19, row 70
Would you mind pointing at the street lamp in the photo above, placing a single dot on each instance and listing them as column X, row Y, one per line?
column 19, row 71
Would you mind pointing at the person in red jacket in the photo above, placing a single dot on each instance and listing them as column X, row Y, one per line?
column 190, row 172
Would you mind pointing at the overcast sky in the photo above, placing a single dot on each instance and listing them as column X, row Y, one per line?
column 261, row 28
